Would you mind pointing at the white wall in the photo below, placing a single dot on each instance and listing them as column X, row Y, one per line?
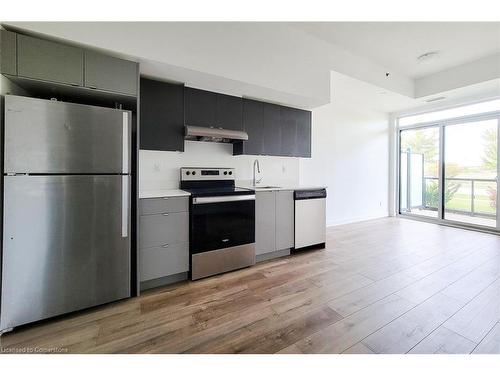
column 350, row 155
column 160, row 169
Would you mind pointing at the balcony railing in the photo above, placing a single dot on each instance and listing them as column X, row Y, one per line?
column 473, row 210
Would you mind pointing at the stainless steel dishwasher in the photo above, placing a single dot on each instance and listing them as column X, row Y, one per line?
column 310, row 218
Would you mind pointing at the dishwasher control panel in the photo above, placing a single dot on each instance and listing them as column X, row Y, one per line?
column 309, row 194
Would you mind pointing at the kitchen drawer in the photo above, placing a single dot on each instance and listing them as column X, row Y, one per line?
column 157, row 262
column 151, row 206
column 162, row 229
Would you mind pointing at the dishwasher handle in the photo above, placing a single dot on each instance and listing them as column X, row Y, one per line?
column 309, row 194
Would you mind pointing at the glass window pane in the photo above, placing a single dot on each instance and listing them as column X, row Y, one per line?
column 484, row 107
column 471, row 171
column 419, row 174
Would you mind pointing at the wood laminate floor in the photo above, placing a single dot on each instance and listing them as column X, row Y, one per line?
column 382, row 286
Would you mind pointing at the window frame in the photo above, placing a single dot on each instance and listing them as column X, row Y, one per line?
column 441, row 125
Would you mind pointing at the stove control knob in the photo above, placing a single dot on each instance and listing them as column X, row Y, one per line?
column 230, row 173
column 194, row 173
column 188, row 173
column 225, row 173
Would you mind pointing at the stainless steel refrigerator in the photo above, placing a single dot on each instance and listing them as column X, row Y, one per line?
column 66, row 217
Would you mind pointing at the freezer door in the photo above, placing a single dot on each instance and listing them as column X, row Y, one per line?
column 65, row 245
column 44, row 136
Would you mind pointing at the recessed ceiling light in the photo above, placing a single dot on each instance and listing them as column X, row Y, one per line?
column 382, row 92
column 428, row 56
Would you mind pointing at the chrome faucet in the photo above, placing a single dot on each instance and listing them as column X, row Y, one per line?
column 256, row 163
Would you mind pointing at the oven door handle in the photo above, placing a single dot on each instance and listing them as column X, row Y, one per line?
column 227, row 198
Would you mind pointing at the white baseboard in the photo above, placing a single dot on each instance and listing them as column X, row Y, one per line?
column 332, row 223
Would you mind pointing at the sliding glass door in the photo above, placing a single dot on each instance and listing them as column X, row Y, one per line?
column 471, row 168
column 448, row 169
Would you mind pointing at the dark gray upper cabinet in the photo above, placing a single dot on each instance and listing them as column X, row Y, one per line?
column 110, row 74
column 42, row 60
column 49, row 61
column 275, row 130
column 8, row 53
column 161, row 115
column 229, row 113
column 272, row 129
column 206, row 108
column 304, row 133
column 295, row 132
column 201, row 107
column 253, row 124
column 288, row 124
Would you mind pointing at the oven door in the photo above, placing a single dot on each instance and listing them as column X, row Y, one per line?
column 222, row 221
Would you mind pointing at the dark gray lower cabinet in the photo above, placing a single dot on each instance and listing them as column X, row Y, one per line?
column 285, row 219
column 265, row 222
column 152, row 206
column 108, row 73
column 274, row 221
column 163, row 229
column 162, row 116
column 158, row 262
column 163, row 238
column 49, row 61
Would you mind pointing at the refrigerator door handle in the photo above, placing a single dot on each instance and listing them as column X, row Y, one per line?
column 124, row 206
column 125, row 142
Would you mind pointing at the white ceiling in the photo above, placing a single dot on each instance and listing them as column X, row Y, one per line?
column 294, row 63
column 397, row 45
column 360, row 94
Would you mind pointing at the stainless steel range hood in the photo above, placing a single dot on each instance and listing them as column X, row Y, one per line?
column 210, row 134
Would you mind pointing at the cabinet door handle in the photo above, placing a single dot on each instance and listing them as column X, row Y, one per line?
column 165, row 198
column 165, row 246
column 92, row 87
column 165, row 214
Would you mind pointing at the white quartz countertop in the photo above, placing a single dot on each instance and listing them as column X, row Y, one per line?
column 272, row 187
column 162, row 193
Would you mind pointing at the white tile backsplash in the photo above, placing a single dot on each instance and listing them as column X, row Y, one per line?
column 160, row 169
